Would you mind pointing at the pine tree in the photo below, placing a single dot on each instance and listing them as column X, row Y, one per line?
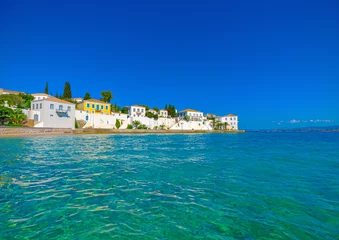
column 46, row 88
column 56, row 95
column 87, row 96
column 67, row 91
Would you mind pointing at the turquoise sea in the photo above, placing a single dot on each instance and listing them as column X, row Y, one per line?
column 194, row 186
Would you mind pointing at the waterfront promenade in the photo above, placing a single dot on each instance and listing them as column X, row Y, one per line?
column 24, row 131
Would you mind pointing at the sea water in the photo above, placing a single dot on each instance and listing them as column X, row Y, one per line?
column 189, row 186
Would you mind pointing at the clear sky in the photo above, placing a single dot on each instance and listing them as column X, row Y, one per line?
column 266, row 61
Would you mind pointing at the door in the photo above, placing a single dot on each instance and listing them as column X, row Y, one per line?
column 36, row 117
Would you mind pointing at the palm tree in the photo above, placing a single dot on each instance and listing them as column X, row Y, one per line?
column 225, row 125
column 136, row 123
column 5, row 114
column 17, row 116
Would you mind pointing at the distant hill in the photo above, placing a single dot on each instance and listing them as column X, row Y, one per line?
column 301, row 129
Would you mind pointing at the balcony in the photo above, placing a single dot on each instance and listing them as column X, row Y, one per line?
column 62, row 111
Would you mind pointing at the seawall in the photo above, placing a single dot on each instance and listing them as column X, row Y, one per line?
column 24, row 131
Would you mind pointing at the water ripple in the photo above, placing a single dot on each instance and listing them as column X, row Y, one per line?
column 217, row 186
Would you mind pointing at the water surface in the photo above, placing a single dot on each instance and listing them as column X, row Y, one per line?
column 199, row 186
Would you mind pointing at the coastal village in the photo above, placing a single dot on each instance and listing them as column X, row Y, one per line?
column 42, row 110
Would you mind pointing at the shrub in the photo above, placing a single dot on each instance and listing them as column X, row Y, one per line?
column 130, row 126
column 117, row 124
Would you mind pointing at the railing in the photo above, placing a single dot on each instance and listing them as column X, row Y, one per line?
column 64, row 111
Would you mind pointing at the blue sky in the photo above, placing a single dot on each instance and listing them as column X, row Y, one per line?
column 266, row 61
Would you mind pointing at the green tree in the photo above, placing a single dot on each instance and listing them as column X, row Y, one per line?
column 142, row 126
column 136, row 123
column 17, row 116
column 124, row 110
column 27, row 99
column 156, row 109
column 226, row 125
column 106, row 96
column 115, row 108
column 56, row 95
column 5, row 114
column 129, row 126
column 46, row 88
column 87, row 96
column 67, row 91
column 117, row 124
column 171, row 110
column 12, row 99
column 149, row 115
column 187, row 118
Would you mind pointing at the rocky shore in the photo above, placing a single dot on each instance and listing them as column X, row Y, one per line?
column 24, row 131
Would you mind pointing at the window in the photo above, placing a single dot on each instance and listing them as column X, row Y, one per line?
column 106, row 107
column 40, row 105
column 37, row 106
column 142, row 110
column 60, row 107
column 86, row 111
column 38, row 98
column 102, row 107
column 92, row 111
column 133, row 109
column 88, row 105
column 92, row 105
column 51, row 115
column 33, row 106
column 69, row 108
column 86, row 118
column 51, row 106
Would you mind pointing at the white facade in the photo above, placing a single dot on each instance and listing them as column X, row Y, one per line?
column 192, row 125
column 52, row 113
column 163, row 113
column 193, row 115
column 102, row 120
column 137, row 111
column 232, row 121
column 39, row 96
column 152, row 111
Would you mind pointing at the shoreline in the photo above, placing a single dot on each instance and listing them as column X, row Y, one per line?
column 27, row 132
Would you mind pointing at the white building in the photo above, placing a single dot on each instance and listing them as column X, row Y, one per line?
column 152, row 111
column 163, row 113
column 137, row 111
column 232, row 121
column 78, row 100
column 39, row 96
column 194, row 115
column 4, row 91
column 102, row 120
column 53, row 113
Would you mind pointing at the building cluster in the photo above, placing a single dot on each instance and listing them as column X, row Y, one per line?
column 51, row 112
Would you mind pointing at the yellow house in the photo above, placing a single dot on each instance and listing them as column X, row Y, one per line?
column 95, row 106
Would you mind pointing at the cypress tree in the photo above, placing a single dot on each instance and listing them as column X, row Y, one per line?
column 56, row 95
column 46, row 88
column 67, row 91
